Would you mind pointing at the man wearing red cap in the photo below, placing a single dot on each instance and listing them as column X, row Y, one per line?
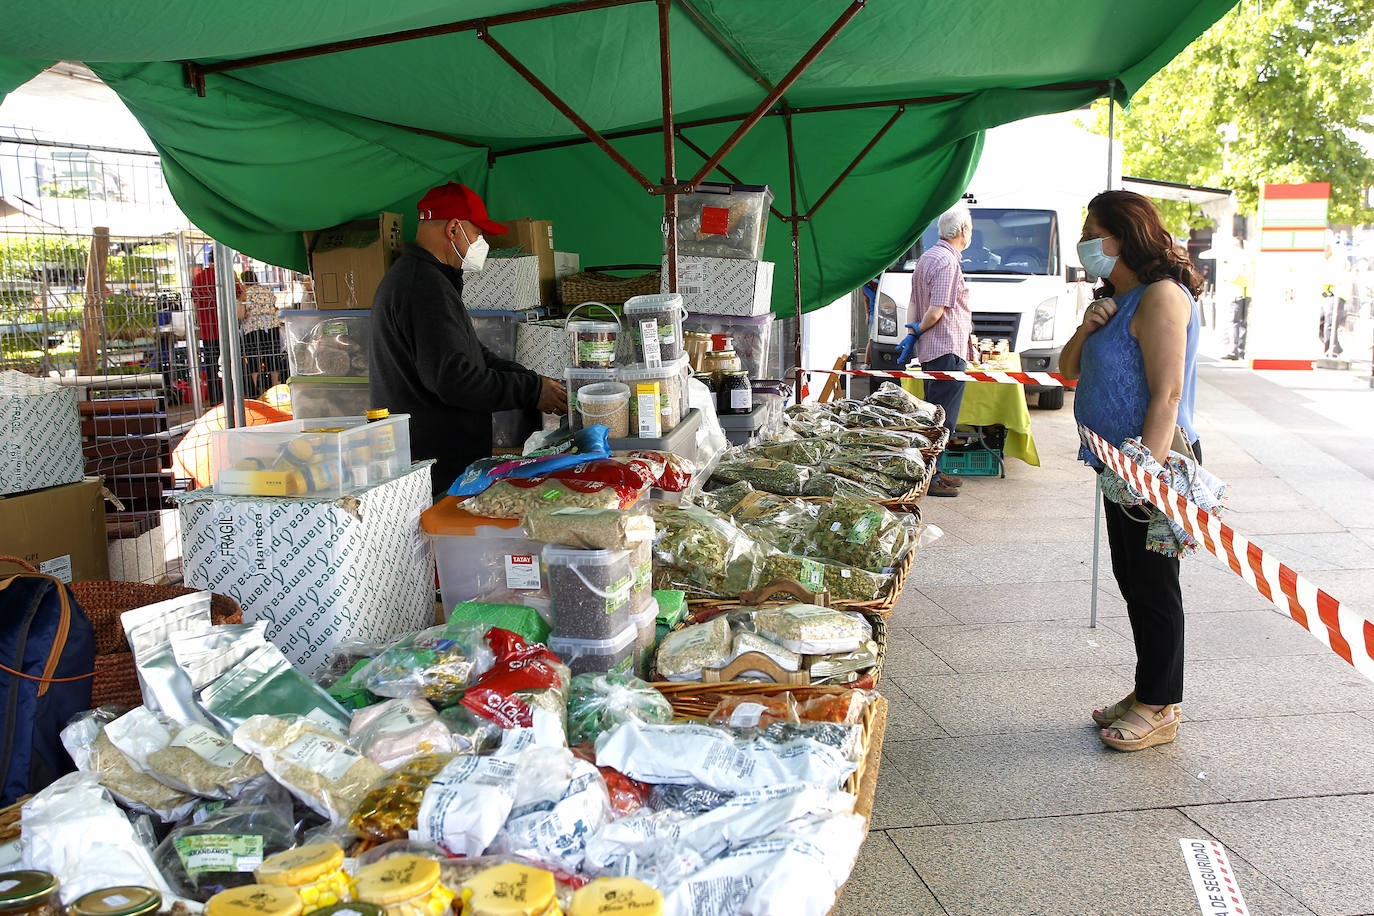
column 426, row 358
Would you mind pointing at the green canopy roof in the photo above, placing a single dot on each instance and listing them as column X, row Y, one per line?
column 273, row 149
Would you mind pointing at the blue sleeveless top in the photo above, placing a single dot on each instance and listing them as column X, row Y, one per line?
column 1112, row 390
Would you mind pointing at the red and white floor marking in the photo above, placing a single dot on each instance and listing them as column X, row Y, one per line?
column 1218, row 894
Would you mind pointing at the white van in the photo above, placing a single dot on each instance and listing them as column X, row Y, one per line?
column 1025, row 285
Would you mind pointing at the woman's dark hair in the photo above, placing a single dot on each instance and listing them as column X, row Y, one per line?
column 1146, row 246
column 250, row 276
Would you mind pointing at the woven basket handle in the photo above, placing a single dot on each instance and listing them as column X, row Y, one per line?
column 786, row 587
column 19, row 561
column 755, row 661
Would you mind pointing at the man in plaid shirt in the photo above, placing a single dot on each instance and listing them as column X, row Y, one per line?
column 942, row 321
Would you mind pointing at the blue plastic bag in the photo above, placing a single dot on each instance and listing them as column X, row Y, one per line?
column 586, row 444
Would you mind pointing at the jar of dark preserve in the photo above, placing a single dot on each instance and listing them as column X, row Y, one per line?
column 735, row 394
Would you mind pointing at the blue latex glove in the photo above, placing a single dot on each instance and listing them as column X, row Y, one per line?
column 907, row 345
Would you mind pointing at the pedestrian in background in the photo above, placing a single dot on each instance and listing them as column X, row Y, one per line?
column 1135, row 358
column 942, row 321
column 264, row 361
column 206, row 298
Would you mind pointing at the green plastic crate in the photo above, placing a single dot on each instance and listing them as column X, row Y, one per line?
column 976, row 462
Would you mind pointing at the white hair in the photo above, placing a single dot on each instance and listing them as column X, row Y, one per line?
column 955, row 220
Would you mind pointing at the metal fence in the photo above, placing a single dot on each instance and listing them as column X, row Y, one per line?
column 99, row 279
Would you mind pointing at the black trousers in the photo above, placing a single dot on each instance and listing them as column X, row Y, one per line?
column 1154, row 603
column 948, row 395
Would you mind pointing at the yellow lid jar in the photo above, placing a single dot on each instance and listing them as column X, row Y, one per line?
column 616, row 897
column 510, row 890
column 404, row 886
column 315, row 872
column 254, row 900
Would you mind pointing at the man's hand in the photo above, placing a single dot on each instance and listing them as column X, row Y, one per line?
column 908, row 344
column 1098, row 313
column 553, row 397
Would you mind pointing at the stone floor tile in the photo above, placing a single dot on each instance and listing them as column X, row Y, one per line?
column 907, row 656
column 1070, row 866
column 1317, row 849
column 972, row 603
column 1292, row 686
column 1034, row 774
column 1255, row 524
column 1352, row 586
column 906, row 720
column 1017, row 646
column 897, row 803
column 1312, row 551
column 915, row 609
column 1279, row 756
column 1237, row 634
column 883, row 884
column 1001, row 702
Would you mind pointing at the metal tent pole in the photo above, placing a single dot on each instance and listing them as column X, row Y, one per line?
column 1111, row 131
column 185, row 273
column 795, row 222
column 1097, row 538
column 665, row 79
column 230, row 352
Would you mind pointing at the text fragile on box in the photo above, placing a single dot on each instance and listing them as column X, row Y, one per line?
column 319, row 571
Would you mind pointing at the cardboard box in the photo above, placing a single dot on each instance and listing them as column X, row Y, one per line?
column 348, row 261
column 61, row 530
column 723, row 286
column 503, row 285
column 40, row 434
column 319, row 571
column 533, row 236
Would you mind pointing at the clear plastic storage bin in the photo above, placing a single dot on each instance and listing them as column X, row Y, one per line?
column 328, row 343
column 497, row 330
column 671, row 379
column 596, row 656
column 751, row 336
column 645, row 623
column 484, row 559
column 590, row 591
column 577, row 379
column 313, row 397
column 325, row 457
column 723, row 221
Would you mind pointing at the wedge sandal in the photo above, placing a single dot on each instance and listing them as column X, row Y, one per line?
column 1105, row 717
column 1145, row 728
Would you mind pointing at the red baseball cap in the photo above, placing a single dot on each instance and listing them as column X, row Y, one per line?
column 458, row 201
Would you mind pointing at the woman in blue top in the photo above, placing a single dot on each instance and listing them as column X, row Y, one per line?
column 1135, row 358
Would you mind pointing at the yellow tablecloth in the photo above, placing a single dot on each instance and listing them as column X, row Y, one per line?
column 991, row 403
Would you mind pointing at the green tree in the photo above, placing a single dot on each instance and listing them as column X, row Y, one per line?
column 1275, row 91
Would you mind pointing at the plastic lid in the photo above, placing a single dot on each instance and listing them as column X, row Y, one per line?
column 301, row 865
column 129, row 900
column 447, row 517
column 656, row 302
column 608, row 646
column 396, row 879
column 254, row 900
column 326, row 380
column 573, row 556
column 622, row 896
column 349, row 909
column 377, row 413
column 20, row 887
column 509, row 890
column 603, row 393
column 591, row 324
column 573, row 372
column 637, row 371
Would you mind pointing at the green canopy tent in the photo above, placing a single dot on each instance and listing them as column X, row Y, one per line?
column 272, row 118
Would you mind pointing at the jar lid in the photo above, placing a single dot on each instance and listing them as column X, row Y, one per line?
column 20, row 887
column 254, row 900
column 396, row 879
column 509, row 890
column 622, row 896
column 129, row 900
column 377, row 413
column 301, row 865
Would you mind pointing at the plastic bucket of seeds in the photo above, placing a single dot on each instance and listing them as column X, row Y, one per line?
column 594, row 340
column 606, row 404
column 656, row 326
column 589, row 591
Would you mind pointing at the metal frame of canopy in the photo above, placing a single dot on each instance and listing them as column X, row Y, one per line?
column 773, row 104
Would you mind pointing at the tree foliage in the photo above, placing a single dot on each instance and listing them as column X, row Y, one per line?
column 1290, row 85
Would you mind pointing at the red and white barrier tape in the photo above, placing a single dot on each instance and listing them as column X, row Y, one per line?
column 1045, row 379
column 1340, row 629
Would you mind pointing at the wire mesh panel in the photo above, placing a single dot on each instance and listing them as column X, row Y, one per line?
column 107, row 289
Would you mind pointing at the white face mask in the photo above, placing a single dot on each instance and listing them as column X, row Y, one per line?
column 476, row 258
column 1098, row 263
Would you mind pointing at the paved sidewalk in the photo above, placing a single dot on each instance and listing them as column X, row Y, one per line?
column 995, row 795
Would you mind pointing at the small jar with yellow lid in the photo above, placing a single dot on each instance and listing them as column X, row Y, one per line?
column 621, row 896
column 511, row 890
column 254, row 900
column 353, row 908
column 315, row 872
column 29, row 893
column 129, row 900
column 405, row 886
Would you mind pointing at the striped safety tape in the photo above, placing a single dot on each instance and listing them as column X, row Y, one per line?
column 1339, row 628
column 1046, row 379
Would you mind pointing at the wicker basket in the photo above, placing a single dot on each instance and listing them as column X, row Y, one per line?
column 596, row 284
column 116, row 679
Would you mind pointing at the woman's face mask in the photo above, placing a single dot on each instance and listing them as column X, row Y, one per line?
column 1097, row 262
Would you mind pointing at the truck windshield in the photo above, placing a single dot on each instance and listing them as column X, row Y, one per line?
column 1007, row 241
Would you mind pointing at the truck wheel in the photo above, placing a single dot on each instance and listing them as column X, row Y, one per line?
column 1051, row 399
